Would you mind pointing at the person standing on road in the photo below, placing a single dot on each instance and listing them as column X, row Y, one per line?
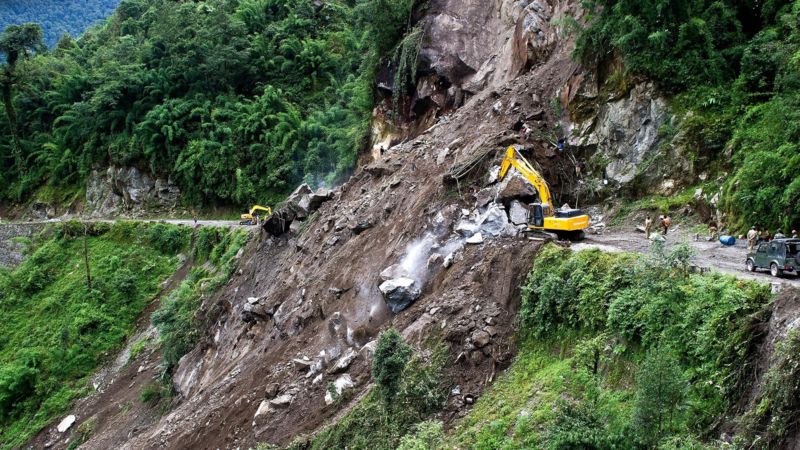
column 765, row 236
column 752, row 239
column 665, row 223
column 648, row 223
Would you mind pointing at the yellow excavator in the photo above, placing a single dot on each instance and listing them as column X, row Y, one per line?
column 252, row 217
column 565, row 223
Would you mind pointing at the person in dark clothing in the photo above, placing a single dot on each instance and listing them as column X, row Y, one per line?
column 561, row 145
column 383, row 150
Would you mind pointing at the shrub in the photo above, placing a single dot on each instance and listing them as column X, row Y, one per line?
column 391, row 356
column 429, row 436
column 660, row 394
column 207, row 238
column 577, row 425
column 153, row 393
column 169, row 239
column 17, row 383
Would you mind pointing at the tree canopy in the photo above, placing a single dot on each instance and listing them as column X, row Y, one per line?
column 237, row 101
column 57, row 17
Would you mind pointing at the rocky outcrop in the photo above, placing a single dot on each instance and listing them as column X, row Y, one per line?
column 624, row 132
column 128, row 191
column 12, row 246
column 467, row 46
column 296, row 208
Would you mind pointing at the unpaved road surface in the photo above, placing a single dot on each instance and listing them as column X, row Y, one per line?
column 712, row 255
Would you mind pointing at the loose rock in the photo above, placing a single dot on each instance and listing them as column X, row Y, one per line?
column 400, row 293
column 66, row 423
column 341, row 383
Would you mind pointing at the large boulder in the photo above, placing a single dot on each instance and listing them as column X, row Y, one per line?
column 400, row 293
column 494, row 222
column 515, row 187
column 312, row 201
column 518, row 213
column 298, row 206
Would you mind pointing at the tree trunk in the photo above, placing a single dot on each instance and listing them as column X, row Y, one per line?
column 86, row 257
column 12, row 125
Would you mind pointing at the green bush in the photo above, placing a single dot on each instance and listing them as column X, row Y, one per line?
column 169, row 239
column 391, row 356
column 626, row 307
column 661, row 391
column 17, row 383
column 429, row 436
column 153, row 393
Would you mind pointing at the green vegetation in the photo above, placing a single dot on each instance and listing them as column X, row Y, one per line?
column 624, row 351
column 409, row 389
column 57, row 17
column 238, row 101
column 58, row 323
column 176, row 319
column 734, row 68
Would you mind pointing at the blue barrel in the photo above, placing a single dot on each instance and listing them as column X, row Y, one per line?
column 727, row 240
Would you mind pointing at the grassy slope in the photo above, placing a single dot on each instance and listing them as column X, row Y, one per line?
column 54, row 332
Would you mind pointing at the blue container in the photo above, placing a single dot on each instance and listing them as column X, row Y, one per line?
column 727, row 240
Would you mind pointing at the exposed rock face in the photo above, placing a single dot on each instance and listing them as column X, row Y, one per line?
column 475, row 44
column 625, row 132
column 13, row 253
column 127, row 190
column 468, row 46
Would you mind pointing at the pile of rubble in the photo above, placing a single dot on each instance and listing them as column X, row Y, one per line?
column 298, row 207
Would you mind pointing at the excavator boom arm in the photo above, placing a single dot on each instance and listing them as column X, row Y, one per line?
column 257, row 208
column 532, row 175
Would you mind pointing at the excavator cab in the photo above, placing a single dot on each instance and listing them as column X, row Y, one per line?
column 537, row 215
column 566, row 223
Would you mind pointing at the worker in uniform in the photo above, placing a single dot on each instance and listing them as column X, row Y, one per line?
column 648, row 223
column 752, row 238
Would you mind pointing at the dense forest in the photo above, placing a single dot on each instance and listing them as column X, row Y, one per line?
column 237, row 100
column 734, row 70
column 56, row 18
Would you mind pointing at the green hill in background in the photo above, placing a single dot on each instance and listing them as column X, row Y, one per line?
column 57, row 18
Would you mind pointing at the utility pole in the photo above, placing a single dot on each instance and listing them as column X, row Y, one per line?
column 86, row 256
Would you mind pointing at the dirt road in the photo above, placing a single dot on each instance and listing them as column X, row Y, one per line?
column 712, row 255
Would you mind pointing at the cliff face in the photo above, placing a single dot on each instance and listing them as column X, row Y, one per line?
column 617, row 128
